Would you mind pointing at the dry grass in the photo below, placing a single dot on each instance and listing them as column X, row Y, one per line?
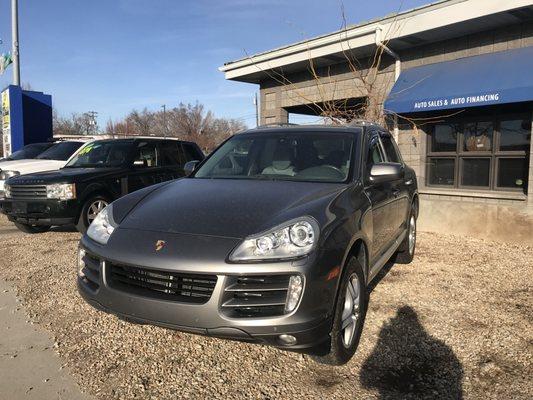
column 457, row 322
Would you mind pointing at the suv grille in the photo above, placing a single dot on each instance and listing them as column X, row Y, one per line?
column 23, row 192
column 164, row 285
column 256, row 296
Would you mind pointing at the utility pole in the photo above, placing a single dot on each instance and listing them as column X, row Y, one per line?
column 15, row 39
column 164, row 107
column 256, row 103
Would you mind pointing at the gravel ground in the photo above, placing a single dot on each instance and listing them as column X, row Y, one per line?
column 456, row 323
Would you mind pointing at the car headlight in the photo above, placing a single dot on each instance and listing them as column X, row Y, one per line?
column 7, row 191
column 102, row 226
column 5, row 175
column 61, row 191
column 295, row 238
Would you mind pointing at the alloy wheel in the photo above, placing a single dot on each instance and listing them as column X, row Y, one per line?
column 350, row 313
column 94, row 209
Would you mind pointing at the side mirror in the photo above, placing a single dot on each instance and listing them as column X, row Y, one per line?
column 386, row 172
column 190, row 166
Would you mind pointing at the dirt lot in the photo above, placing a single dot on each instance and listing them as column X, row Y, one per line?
column 456, row 323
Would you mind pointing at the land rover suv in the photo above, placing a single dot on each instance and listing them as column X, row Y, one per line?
column 273, row 239
column 100, row 172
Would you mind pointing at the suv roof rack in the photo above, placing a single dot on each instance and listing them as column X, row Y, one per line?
column 362, row 122
column 276, row 124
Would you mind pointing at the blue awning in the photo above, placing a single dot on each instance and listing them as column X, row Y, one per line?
column 488, row 79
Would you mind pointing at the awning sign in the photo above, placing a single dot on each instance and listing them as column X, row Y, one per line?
column 488, row 79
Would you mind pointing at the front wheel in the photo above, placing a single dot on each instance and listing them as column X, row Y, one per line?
column 349, row 318
column 91, row 208
column 32, row 228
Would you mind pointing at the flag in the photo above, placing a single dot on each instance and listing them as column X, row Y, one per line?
column 5, row 60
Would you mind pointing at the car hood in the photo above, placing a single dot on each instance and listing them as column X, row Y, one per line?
column 64, row 175
column 30, row 166
column 229, row 208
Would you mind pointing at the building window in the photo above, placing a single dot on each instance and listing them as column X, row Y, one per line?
column 483, row 153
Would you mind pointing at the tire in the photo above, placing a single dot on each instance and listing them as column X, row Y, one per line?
column 92, row 206
column 32, row 228
column 343, row 344
column 406, row 251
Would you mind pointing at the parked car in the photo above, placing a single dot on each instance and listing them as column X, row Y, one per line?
column 273, row 239
column 100, row 172
column 54, row 157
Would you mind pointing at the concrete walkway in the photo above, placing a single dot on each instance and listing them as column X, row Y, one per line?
column 29, row 368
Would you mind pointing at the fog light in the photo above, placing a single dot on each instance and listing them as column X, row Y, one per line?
column 81, row 263
column 296, row 284
column 289, row 340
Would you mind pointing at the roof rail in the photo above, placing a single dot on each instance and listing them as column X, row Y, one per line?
column 362, row 122
column 276, row 124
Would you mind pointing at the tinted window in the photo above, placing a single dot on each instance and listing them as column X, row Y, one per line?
column 146, row 155
column 390, row 149
column 29, row 151
column 100, row 154
column 309, row 156
column 478, row 136
column 61, row 151
column 515, row 135
column 444, row 138
column 172, row 154
column 191, row 152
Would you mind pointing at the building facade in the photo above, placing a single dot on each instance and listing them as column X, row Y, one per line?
column 454, row 80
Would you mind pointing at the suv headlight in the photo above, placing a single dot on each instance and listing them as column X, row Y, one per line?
column 61, row 191
column 102, row 226
column 7, row 191
column 5, row 175
column 292, row 239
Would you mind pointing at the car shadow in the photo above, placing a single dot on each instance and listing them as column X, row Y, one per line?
column 408, row 363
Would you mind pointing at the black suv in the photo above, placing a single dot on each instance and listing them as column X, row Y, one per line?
column 100, row 172
column 273, row 239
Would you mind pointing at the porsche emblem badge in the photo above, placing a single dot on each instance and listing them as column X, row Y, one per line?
column 159, row 245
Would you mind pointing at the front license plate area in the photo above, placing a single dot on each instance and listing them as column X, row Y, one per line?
column 19, row 208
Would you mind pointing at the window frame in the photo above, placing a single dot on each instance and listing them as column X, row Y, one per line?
column 494, row 155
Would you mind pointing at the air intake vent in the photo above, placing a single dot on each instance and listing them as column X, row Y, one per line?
column 91, row 271
column 164, row 285
column 255, row 296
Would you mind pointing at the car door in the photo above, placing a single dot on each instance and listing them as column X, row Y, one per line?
column 382, row 200
column 398, row 186
column 144, row 168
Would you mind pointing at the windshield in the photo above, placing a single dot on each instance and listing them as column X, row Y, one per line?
column 101, row 154
column 313, row 156
column 29, row 151
column 61, row 151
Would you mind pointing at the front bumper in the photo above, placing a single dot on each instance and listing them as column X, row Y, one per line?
column 40, row 211
column 309, row 323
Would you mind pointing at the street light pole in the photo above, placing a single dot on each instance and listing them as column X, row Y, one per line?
column 15, row 40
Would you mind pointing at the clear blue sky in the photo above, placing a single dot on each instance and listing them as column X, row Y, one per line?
column 115, row 55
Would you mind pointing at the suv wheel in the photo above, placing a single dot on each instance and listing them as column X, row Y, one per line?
column 349, row 318
column 32, row 228
column 406, row 251
column 91, row 208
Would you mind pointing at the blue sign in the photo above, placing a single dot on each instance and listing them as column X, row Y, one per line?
column 496, row 78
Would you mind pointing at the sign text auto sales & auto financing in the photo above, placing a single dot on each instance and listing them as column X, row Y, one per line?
column 456, row 101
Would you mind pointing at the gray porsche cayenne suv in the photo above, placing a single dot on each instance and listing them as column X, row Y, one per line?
column 273, row 239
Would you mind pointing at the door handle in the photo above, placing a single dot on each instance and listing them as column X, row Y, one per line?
column 395, row 192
